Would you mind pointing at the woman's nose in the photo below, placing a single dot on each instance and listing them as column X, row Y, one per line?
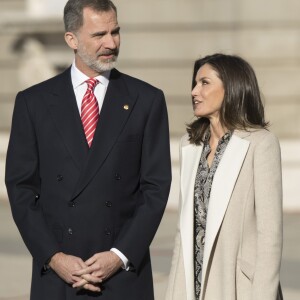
column 194, row 91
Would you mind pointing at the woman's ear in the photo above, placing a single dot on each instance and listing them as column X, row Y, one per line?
column 71, row 40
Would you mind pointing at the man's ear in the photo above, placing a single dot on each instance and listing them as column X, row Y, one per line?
column 71, row 40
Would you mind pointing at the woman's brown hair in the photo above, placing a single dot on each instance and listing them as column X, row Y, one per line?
column 242, row 106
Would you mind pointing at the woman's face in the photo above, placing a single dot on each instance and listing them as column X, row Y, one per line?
column 208, row 93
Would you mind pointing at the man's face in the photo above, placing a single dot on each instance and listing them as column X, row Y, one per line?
column 98, row 41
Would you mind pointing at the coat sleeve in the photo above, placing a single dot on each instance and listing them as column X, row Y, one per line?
column 155, row 179
column 268, row 209
column 24, row 184
column 176, row 288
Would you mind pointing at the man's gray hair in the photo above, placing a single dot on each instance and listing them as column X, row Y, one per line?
column 73, row 12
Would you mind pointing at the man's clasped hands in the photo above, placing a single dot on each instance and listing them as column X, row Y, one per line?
column 86, row 274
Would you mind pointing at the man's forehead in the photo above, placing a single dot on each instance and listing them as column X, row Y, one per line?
column 99, row 18
column 89, row 12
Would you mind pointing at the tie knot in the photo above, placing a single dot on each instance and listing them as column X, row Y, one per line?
column 92, row 82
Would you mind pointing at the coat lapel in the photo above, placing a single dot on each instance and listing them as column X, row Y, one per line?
column 115, row 111
column 190, row 161
column 222, row 188
column 64, row 111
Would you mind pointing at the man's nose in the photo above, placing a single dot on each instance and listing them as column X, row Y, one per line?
column 110, row 42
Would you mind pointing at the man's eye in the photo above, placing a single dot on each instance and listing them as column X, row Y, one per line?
column 116, row 32
column 98, row 35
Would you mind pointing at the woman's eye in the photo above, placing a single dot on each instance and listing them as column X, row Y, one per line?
column 204, row 82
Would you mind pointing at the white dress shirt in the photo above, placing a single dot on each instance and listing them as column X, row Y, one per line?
column 80, row 86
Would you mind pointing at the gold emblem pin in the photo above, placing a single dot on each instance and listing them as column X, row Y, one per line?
column 126, row 106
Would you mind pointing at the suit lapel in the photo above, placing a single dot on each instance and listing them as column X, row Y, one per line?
column 115, row 111
column 64, row 111
column 190, row 161
column 222, row 188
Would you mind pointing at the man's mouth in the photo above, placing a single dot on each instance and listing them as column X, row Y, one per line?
column 108, row 55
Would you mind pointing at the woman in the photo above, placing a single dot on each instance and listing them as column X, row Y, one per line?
column 229, row 240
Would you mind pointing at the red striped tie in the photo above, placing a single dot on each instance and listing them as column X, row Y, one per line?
column 90, row 111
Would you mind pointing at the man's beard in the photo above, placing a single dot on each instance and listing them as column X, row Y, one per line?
column 96, row 64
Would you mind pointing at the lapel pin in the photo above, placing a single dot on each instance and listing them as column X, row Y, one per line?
column 126, row 106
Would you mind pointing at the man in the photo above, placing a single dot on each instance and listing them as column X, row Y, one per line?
column 88, row 168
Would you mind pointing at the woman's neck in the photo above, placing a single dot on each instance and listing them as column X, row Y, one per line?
column 216, row 131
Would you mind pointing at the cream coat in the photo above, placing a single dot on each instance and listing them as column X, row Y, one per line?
column 243, row 243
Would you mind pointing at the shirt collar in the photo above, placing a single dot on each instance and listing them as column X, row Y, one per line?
column 78, row 78
column 225, row 137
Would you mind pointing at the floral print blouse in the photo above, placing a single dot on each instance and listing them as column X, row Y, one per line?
column 203, row 183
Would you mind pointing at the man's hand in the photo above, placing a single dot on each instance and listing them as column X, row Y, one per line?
column 65, row 266
column 101, row 266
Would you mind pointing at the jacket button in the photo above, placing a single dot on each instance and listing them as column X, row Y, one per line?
column 117, row 176
column 37, row 197
column 70, row 231
column 59, row 178
column 107, row 231
column 108, row 204
column 71, row 204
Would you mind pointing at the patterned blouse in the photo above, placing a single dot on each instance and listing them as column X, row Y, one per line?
column 203, row 182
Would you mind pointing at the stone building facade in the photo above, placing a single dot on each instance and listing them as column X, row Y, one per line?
column 160, row 41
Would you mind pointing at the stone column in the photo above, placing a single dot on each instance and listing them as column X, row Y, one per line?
column 39, row 8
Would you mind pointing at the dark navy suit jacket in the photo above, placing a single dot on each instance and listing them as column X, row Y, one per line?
column 67, row 197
